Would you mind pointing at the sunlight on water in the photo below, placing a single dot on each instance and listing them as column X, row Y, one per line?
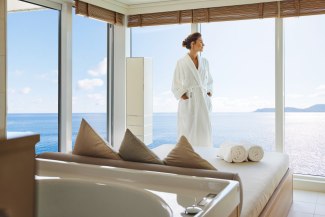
column 305, row 142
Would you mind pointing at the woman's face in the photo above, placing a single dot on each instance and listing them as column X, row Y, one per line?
column 198, row 45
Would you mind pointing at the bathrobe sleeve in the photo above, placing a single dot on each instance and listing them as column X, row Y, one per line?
column 210, row 79
column 178, row 82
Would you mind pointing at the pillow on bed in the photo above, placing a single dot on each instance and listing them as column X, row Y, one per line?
column 90, row 143
column 133, row 149
column 183, row 155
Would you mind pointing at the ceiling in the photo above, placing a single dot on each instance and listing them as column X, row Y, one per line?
column 15, row 5
column 135, row 2
column 130, row 7
column 151, row 6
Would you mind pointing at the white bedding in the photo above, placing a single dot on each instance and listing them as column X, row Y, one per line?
column 259, row 179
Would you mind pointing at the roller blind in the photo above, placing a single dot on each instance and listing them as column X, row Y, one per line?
column 286, row 8
column 99, row 13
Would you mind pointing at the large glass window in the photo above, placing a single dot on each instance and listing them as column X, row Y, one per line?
column 164, row 45
column 33, row 42
column 89, row 74
column 305, row 93
column 241, row 58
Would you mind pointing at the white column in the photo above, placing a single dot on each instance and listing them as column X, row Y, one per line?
column 195, row 27
column 66, row 79
column 121, row 51
column 279, row 85
column 110, row 76
column 3, row 69
column 139, row 97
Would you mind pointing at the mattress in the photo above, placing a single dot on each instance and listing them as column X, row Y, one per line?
column 259, row 179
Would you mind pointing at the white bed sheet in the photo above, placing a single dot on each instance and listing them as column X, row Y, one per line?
column 259, row 179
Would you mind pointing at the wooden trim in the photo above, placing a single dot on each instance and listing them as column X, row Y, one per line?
column 99, row 13
column 280, row 203
column 286, row 8
column 281, row 200
column 235, row 213
column 261, row 10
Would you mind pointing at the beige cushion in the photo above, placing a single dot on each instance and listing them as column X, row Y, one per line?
column 90, row 143
column 183, row 155
column 133, row 149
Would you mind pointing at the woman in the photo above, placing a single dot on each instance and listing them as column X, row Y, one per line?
column 192, row 86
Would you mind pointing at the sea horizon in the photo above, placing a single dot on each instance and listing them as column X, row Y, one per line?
column 304, row 137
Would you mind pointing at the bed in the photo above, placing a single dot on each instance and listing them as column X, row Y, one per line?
column 266, row 186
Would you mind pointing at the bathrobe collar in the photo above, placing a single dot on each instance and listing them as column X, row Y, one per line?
column 195, row 71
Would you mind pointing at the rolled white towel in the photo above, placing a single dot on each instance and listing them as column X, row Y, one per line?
column 233, row 153
column 255, row 153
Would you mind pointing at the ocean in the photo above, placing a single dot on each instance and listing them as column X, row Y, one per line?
column 304, row 133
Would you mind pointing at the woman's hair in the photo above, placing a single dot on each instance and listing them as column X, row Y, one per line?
column 192, row 37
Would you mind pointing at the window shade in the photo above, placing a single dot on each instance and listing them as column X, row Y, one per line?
column 286, row 8
column 99, row 13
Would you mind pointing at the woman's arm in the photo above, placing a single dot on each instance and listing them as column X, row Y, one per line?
column 177, row 86
column 210, row 81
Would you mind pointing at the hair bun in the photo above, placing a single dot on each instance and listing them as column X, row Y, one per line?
column 184, row 43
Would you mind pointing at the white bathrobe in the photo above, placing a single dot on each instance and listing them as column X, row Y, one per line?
column 194, row 113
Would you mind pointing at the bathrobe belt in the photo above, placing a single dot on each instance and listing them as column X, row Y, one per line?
column 190, row 90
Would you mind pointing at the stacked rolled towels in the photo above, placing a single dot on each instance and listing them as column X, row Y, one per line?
column 232, row 153
column 254, row 153
column 236, row 153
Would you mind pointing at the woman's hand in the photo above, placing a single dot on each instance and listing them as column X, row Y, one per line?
column 209, row 94
column 184, row 96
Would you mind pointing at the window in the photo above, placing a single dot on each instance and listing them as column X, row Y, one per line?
column 33, row 42
column 305, row 94
column 241, row 58
column 164, row 45
column 89, row 74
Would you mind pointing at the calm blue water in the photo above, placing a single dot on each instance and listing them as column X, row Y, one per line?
column 227, row 127
column 304, row 138
column 47, row 126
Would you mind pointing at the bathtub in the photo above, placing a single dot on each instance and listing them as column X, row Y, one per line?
column 95, row 191
column 79, row 198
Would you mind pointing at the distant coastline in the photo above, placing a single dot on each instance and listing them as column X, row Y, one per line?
column 314, row 108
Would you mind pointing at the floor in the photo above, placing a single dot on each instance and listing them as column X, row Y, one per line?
column 307, row 204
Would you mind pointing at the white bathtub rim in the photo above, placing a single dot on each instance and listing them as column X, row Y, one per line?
column 148, row 194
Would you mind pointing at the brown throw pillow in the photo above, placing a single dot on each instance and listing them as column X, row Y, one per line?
column 183, row 155
column 133, row 149
column 90, row 143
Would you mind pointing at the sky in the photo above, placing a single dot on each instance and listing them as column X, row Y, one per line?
column 240, row 53
column 241, row 57
column 33, row 63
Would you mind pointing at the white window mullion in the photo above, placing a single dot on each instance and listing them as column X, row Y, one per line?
column 65, row 114
column 279, row 85
column 110, row 77
column 195, row 27
column 3, row 69
column 121, row 50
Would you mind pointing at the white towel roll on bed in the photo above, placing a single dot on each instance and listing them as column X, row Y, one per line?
column 255, row 153
column 233, row 153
